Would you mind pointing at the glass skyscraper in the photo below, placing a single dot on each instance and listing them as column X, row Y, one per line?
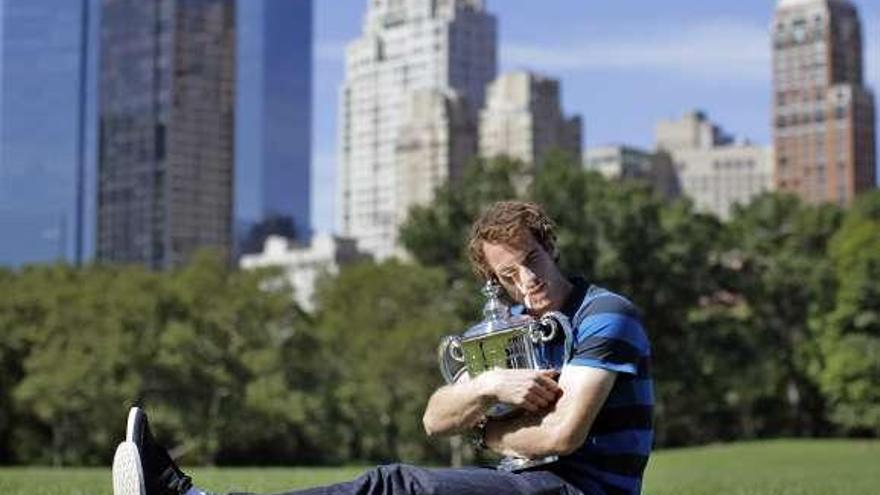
column 273, row 121
column 46, row 130
column 165, row 168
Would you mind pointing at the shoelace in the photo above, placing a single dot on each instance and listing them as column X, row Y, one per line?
column 175, row 481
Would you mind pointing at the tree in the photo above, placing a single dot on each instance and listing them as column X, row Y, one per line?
column 436, row 234
column 850, row 342
column 223, row 359
column 77, row 328
column 787, row 283
column 216, row 380
column 11, row 355
column 381, row 324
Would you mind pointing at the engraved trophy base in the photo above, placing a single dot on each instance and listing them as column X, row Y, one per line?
column 513, row 464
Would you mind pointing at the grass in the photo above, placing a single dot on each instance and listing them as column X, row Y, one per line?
column 782, row 467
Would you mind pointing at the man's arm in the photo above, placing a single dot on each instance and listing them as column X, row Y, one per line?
column 458, row 407
column 565, row 427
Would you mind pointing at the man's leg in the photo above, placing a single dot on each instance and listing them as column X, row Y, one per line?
column 403, row 479
column 143, row 467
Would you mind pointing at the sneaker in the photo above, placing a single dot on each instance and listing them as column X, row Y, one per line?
column 143, row 467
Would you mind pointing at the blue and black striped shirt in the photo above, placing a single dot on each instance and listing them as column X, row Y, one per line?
column 608, row 334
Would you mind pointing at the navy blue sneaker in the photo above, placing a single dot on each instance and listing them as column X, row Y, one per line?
column 143, row 467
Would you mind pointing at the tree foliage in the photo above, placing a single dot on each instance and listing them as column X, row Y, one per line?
column 850, row 343
column 381, row 324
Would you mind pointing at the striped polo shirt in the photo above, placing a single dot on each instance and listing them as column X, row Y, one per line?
column 608, row 334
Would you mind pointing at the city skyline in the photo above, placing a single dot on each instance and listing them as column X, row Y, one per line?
column 696, row 55
column 621, row 69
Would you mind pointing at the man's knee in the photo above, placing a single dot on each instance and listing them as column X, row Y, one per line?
column 392, row 472
column 399, row 478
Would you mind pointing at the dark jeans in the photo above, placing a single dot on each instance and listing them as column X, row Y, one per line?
column 403, row 479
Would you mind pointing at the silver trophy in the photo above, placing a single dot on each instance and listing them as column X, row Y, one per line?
column 502, row 341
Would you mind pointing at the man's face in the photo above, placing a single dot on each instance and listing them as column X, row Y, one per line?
column 528, row 273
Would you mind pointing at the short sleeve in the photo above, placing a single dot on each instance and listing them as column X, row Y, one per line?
column 610, row 336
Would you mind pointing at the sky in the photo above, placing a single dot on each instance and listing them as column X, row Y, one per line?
column 39, row 119
column 623, row 65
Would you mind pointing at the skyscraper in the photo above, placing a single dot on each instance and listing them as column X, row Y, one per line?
column 166, row 129
column 46, row 114
column 523, row 119
column 406, row 45
column 273, row 121
column 823, row 112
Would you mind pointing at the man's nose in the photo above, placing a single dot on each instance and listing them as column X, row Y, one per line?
column 526, row 275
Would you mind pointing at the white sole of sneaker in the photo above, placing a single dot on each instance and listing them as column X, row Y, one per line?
column 128, row 474
column 133, row 414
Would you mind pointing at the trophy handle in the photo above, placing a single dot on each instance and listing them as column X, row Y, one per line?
column 548, row 327
column 451, row 358
column 545, row 330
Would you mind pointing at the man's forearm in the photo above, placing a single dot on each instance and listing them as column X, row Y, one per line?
column 455, row 408
column 528, row 436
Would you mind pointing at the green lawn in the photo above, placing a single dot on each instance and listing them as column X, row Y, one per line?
column 790, row 467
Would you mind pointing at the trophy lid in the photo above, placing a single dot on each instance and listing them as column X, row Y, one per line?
column 496, row 313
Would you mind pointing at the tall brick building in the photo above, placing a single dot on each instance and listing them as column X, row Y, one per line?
column 823, row 114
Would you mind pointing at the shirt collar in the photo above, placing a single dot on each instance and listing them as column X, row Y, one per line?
column 575, row 297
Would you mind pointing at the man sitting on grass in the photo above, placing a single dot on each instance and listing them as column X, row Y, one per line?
column 597, row 417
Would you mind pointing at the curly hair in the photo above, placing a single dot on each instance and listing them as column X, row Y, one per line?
column 506, row 222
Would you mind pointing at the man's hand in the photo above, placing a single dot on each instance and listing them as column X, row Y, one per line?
column 532, row 390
